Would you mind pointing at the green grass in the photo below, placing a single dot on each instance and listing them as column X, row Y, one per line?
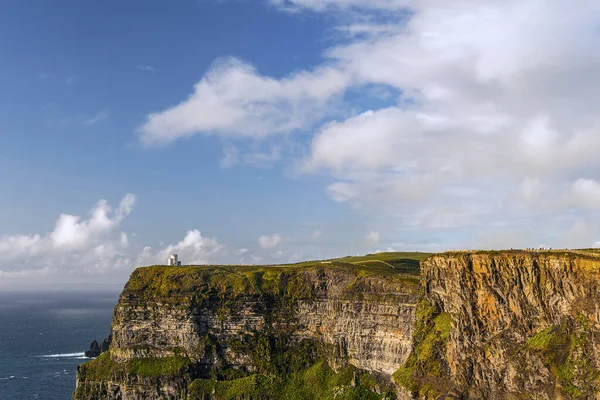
column 100, row 369
column 232, row 389
column 194, row 284
column 318, row 381
column 104, row 368
column 153, row 367
column 401, row 261
column 588, row 254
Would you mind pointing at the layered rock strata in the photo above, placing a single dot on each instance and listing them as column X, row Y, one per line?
column 478, row 325
column 173, row 326
column 507, row 325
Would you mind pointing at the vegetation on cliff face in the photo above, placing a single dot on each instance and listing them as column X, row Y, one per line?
column 318, row 381
column 567, row 351
column 425, row 373
column 104, row 368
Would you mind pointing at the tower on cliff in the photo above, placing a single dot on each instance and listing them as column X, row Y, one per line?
column 173, row 260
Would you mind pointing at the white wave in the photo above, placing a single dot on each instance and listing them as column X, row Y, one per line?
column 64, row 355
column 5, row 379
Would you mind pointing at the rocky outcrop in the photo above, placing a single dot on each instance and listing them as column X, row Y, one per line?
column 94, row 350
column 199, row 332
column 507, row 325
column 97, row 349
column 105, row 345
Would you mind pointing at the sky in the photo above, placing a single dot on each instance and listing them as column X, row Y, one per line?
column 274, row 131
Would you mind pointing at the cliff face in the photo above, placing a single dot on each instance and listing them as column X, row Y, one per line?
column 507, row 325
column 245, row 332
column 481, row 325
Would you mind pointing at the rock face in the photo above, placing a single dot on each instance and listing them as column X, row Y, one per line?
column 479, row 325
column 507, row 325
column 200, row 332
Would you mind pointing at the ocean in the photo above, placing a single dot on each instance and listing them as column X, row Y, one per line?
column 42, row 340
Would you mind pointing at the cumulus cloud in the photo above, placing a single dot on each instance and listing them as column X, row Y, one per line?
column 74, row 243
column 268, row 242
column 494, row 123
column 500, row 97
column 70, row 233
column 83, row 249
column 193, row 249
column 233, row 99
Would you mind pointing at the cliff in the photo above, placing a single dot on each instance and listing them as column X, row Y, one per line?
column 477, row 325
column 315, row 330
column 507, row 325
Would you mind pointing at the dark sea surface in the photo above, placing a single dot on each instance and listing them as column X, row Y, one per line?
column 42, row 340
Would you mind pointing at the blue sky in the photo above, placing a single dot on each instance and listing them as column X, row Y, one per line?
column 76, row 95
column 275, row 131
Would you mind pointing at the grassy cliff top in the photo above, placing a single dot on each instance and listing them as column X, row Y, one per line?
column 573, row 253
column 291, row 280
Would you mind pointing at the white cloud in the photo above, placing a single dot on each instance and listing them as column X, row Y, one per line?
column 268, row 242
column 324, row 5
column 193, row 249
column 501, row 98
column 75, row 244
column 494, row 124
column 368, row 141
column 586, row 193
column 317, row 234
column 98, row 117
column 372, row 238
column 70, row 233
column 146, row 68
column 232, row 156
column 233, row 99
column 78, row 249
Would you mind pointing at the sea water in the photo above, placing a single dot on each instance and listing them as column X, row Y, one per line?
column 42, row 340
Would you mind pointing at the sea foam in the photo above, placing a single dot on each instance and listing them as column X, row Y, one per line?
column 64, row 355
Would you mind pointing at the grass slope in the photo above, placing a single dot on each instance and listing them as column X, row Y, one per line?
column 318, row 381
column 401, row 261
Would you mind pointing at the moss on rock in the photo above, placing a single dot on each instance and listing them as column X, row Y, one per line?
column 104, row 368
column 425, row 373
column 318, row 381
column 567, row 351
